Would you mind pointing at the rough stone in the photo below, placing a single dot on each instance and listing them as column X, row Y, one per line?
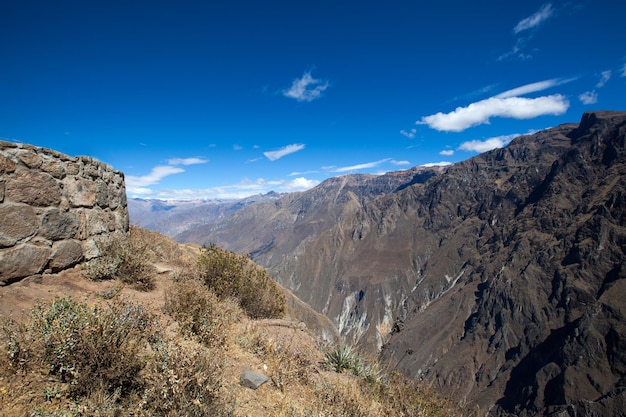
column 57, row 224
column 252, row 379
column 65, row 254
column 54, row 168
column 51, row 208
column 22, row 261
column 17, row 222
column 30, row 159
column 81, row 192
column 6, row 164
column 34, row 188
column 102, row 194
column 73, row 168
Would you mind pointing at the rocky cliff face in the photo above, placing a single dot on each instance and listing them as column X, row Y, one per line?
column 271, row 230
column 52, row 207
column 176, row 217
column 502, row 280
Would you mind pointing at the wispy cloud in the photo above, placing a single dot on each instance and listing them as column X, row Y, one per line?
column 488, row 144
column 186, row 161
column 436, row 164
column 135, row 184
column 525, row 34
column 589, row 97
column 409, row 134
column 284, row 151
column 399, row 163
column 447, row 152
column 534, row 87
column 245, row 188
column 544, row 13
column 138, row 184
column 306, row 88
column 623, row 74
column 482, row 111
column 605, row 76
column 358, row 167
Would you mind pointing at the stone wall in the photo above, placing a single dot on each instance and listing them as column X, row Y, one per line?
column 53, row 207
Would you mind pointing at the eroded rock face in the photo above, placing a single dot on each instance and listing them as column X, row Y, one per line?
column 52, row 207
column 504, row 277
column 507, row 272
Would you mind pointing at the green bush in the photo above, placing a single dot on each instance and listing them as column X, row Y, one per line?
column 232, row 275
column 92, row 347
column 124, row 257
column 343, row 358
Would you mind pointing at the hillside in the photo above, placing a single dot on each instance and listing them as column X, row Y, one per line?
column 279, row 228
column 172, row 217
column 501, row 280
column 73, row 346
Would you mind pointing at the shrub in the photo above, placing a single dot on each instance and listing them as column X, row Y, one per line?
column 199, row 312
column 17, row 345
column 123, row 257
column 184, row 380
column 92, row 347
column 232, row 275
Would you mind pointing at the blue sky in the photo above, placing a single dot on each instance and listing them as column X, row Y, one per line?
column 208, row 99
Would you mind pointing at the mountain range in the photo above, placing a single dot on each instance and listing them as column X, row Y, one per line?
column 499, row 279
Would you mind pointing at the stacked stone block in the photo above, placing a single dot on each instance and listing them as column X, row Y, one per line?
column 53, row 208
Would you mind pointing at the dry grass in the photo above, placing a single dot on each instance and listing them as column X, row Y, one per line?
column 184, row 358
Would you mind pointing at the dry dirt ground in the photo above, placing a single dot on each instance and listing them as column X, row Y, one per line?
column 19, row 394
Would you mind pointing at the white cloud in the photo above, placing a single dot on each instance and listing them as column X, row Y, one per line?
column 284, row 151
column 358, row 167
column 237, row 147
column 186, row 161
column 533, row 87
column 394, row 162
column 447, row 152
column 589, row 97
column 623, row 71
column 306, row 88
column 604, row 77
column 534, row 20
column 299, row 184
column 410, row 134
column 481, row 111
column 437, row 164
column 245, row 188
column 487, row 145
column 136, row 184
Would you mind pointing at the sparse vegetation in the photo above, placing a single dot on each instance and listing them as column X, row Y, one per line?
column 232, row 275
column 199, row 312
column 113, row 357
column 123, row 257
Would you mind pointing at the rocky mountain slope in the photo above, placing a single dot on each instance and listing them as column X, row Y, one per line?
column 172, row 217
column 501, row 279
column 271, row 230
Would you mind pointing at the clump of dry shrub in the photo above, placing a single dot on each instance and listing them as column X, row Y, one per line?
column 232, row 275
column 91, row 348
column 125, row 257
column 184, row 380
column 199, row 312
column 110, row 360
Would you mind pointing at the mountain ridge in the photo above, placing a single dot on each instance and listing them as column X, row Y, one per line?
column 499, row 279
